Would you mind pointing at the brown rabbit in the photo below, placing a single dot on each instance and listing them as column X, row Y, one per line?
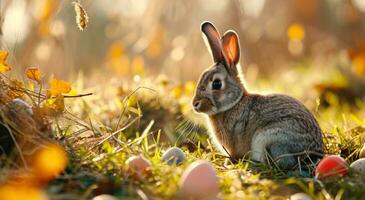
column 273, row 126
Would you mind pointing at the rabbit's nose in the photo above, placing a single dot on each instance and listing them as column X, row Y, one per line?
column 197, row 104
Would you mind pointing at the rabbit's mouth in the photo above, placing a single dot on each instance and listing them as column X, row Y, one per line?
column 203, row 105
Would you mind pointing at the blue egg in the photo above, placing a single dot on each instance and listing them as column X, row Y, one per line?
column 173, row 155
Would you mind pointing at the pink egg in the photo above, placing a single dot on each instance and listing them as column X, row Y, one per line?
column 331, row 166
column 300, row 196
column 138, row 166
column 199, row 181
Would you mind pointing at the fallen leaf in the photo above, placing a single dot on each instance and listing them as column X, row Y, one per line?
column 81, row 15
column 16, row 88
column 33, row 73
column 58, row 104
column 3, row 66
column 59, row 87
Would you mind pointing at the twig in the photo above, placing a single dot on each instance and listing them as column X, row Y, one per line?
column 115, row 132
column 80, row 95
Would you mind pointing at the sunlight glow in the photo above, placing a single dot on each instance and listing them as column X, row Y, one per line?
column 16, row 23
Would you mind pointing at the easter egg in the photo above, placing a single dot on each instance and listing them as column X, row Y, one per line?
column 138, row 165
column 362, row 152
column 300, row 196
column 199, row 181
column 105, row 197
column 22, row 105
column 358, row 165
column 173, row 155
column 331, row 166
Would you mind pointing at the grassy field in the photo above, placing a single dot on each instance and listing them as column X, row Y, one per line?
column 86, row 85
column 102, row 125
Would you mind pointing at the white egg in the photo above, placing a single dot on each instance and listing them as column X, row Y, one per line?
column 105, row 197
column 300, row 196
column 362, row 152
column 358, row 165
column 199, row 181
column 173, row 155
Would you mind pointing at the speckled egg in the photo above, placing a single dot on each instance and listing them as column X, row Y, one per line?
column 300, row 196
column 138, row 165
column 358, row 165
column 22, row 105
column 332, row 165
column 105, row 197
column 199, row 181
column 173, row 155
column 362, row 152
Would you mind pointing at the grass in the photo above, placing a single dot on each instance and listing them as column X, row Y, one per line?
column 101, row 131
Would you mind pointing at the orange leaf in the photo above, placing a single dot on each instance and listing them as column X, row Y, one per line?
column 59, row 87
column 33, row 73
column 16, row 88
column 3, row 66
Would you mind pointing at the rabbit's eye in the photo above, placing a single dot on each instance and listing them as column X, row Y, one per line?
column 217, row 84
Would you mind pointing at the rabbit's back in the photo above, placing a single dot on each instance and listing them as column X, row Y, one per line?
column 283, row 126
column 275, row 109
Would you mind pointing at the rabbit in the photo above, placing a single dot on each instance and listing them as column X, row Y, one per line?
column 272, row 126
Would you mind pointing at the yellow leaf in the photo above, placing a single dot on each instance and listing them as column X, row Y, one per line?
column 296, row 32
column 73, row 92
column 59, row 87
column 132, row 101
column 31, row 86
column 54, row 106
column 3, row 66
column 3, row 56
column 59, row 103
column 33, row 73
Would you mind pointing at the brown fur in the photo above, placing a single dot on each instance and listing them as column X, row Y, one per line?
column 244, row 123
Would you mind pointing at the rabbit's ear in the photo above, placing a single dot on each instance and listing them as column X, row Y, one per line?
column 231, row 48
column 214, row 41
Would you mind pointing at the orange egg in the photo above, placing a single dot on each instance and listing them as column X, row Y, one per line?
column 331, row 166
column 138, row 166
column 199, row 181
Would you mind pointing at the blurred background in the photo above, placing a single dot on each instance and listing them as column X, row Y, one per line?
column 129, row 37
